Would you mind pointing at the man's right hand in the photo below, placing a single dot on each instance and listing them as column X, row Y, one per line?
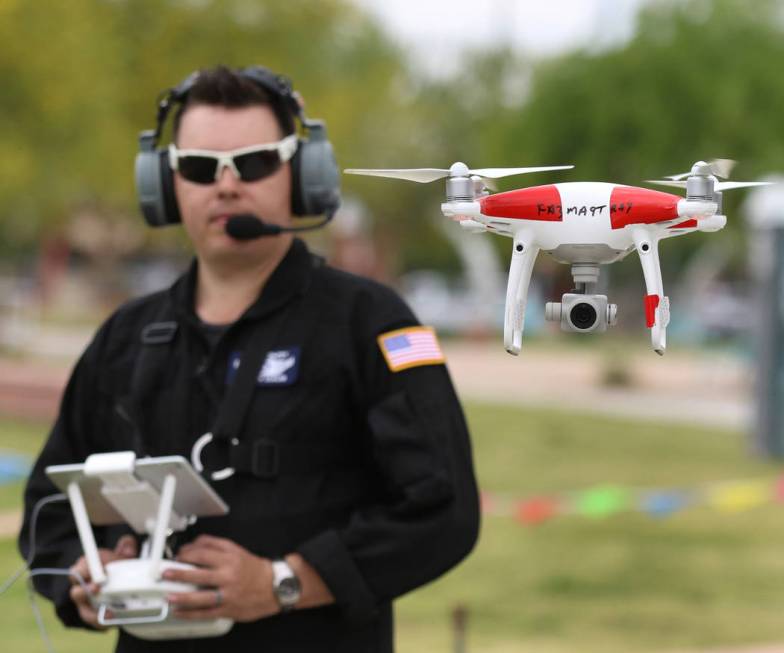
column 125, row 548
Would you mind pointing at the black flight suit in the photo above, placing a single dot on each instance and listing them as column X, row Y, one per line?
column 371, row 479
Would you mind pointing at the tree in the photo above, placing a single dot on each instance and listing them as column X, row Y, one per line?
column 80, row 81
column 698, row 80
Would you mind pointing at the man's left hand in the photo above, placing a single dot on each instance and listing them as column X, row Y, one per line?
column 239, row 583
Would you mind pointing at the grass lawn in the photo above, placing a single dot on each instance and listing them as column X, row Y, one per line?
column 18, row 437
column 625, row 583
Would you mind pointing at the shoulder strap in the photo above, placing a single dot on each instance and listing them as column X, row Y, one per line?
column 156, row 338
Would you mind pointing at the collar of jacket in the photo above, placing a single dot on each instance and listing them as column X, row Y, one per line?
column 290, row 279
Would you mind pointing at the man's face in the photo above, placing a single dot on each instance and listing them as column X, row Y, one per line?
column 204, row 208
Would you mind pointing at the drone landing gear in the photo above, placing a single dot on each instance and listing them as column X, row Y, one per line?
column 657, row 306
column 524, row 253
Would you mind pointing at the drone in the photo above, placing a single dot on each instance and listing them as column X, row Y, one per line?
column 582, row 224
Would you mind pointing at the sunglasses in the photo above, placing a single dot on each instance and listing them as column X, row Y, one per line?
column 248, row 163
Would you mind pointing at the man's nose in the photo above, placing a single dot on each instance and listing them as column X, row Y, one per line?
column 228, row 183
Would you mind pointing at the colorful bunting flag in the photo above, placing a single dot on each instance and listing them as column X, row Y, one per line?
column 606, row 500
column 13, row 467
column 739, row 495
column 779, row 492
column 663, row 503
column 537, row 510
column 601, row 501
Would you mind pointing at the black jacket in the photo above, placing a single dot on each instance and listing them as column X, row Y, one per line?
column 371, row 479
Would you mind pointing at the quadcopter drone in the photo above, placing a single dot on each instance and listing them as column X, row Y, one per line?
column 585, row 225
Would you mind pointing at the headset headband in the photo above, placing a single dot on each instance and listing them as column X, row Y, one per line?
column 278, row 86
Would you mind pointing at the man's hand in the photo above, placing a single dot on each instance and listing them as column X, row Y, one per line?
column 237, row 584
column 125, row 548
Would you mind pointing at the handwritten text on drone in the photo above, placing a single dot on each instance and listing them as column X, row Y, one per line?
column 555, row 209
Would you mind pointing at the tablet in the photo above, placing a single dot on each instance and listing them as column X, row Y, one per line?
column 193, row 496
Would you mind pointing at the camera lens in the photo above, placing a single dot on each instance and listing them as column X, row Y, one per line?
column 583, row 315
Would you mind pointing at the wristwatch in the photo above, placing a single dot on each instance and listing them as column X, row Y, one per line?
column 285, row 585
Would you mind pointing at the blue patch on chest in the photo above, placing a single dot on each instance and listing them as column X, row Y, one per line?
column 280, row 367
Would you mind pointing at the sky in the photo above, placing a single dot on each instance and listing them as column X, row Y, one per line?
column 436, row 31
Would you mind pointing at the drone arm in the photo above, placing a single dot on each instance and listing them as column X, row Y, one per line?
column 696, row 208
column 524, row 253
column 657, row 306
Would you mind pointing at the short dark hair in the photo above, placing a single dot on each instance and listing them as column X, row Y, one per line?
column 225, row 87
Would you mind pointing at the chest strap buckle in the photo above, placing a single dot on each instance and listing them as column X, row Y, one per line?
column 259, row 458
column 159, row 333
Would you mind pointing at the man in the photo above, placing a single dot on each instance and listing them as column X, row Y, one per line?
column 369, row 491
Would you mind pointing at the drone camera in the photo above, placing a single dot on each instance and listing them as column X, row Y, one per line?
column 582, row 313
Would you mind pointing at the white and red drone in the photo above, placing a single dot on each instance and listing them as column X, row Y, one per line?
column 585, row 225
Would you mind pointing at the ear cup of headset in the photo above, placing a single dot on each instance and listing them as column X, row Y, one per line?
column 315, row 185
column 171, row 210
column 155, row 188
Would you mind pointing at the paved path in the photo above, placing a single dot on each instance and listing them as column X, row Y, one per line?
column 707, row 388
column 31, row 389
column 703, row 388
column 10, row 522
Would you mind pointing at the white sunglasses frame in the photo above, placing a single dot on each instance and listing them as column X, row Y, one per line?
column 285, row 147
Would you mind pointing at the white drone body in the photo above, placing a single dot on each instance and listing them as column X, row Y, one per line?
column 584, row 224
column 155, row 497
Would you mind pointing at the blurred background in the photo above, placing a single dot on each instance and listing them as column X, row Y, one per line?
column 632, row 503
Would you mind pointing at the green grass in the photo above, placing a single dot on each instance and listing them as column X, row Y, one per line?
column 626, row 583
column 19, row 630
column 19, row 437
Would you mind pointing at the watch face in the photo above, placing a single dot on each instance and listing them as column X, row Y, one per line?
column 288, row 590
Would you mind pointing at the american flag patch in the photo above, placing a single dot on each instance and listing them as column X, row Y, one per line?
column 410, row 347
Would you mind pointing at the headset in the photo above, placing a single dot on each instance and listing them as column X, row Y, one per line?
column 315, row 179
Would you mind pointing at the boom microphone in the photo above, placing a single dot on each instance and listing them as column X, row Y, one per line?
column 246, row 226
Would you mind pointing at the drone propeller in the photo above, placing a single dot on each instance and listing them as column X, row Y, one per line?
column 420, row 175
column 702, row 178
column 718, row 167
column 426, row 175
column 499, row 173
column 719, row 186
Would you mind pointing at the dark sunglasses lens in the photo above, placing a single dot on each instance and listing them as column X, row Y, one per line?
column 198, row 169
column 257, row 165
